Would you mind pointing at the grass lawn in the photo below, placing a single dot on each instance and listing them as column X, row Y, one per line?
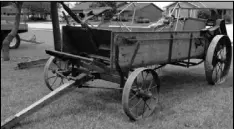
column 187, row 101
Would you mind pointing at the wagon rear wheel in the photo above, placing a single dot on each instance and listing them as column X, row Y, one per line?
column 218, row 59
column 140, row 93
column 55, row 72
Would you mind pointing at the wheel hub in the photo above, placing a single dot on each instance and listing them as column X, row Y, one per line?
column 144, row 95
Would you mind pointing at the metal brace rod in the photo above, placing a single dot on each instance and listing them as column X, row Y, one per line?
column 170, row 48
column 134, row 55
column 190, row 47
column 101, row 87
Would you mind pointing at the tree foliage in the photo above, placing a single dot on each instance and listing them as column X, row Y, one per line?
column 204, row 14
column 38, row 7
column 5, row 3
column 103, row 4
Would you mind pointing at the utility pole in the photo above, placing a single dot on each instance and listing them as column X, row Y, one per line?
column 56, row 27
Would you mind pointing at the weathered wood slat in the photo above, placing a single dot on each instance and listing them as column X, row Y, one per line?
column 30, row 64
column 156, row 51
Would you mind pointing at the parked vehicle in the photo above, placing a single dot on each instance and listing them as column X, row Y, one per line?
column 7, row 23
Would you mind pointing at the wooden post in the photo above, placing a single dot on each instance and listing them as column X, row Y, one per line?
column 55, row 24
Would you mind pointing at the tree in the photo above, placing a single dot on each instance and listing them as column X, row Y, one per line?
column 4, row 3
column 41, row 8
column 204, row 14
column 12, row 34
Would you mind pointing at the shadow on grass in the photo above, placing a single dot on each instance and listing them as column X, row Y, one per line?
column 179, row 85
column 89, row 104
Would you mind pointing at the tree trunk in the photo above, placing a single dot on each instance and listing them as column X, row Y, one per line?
column 56, row 28
column 12, row 34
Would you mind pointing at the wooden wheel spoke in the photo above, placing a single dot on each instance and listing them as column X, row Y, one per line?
column 136, row 104
column 147, row 75
column 51, row 77
column 216, row 74
column 153, row 87
column 55, row 80
column 51, row 69
column 60, row 66
column 220, row 69
column 132, row 97
column 147, row 105
column 144, row 108
column 143, row 80
column 150, row 85
column 57, row 65
column 61, row 81
column 135, row 86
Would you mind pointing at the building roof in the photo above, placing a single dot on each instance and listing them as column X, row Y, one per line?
column 137, row 6
column 86, row 5
column 210, row 5
column 219, row 5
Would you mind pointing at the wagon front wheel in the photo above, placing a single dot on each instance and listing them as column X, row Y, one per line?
column 55, row 72
column 140, row 93
column 218, row 59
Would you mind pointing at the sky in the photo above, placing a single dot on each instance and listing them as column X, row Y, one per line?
column 162, row 4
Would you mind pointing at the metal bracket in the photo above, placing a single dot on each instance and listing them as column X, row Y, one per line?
column 170, row 49
column 134, row 55
column 190, row 46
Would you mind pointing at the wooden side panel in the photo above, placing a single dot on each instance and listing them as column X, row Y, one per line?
column 155, row 47
column 194, row 24
column 150, row 52
column 180, row 48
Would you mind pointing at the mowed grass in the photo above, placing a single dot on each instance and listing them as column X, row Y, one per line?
column 186, row 101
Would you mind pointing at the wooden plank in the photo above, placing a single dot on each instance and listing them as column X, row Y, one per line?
column 31, row 64
column 31, row 41
column 11, row 121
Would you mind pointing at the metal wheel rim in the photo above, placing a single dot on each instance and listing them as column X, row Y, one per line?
column 220, row 62
column 54, row 81
column 218, row 59
column 144, row 105
column 13, row 42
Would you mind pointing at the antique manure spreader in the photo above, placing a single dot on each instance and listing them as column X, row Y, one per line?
column 126, row 57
